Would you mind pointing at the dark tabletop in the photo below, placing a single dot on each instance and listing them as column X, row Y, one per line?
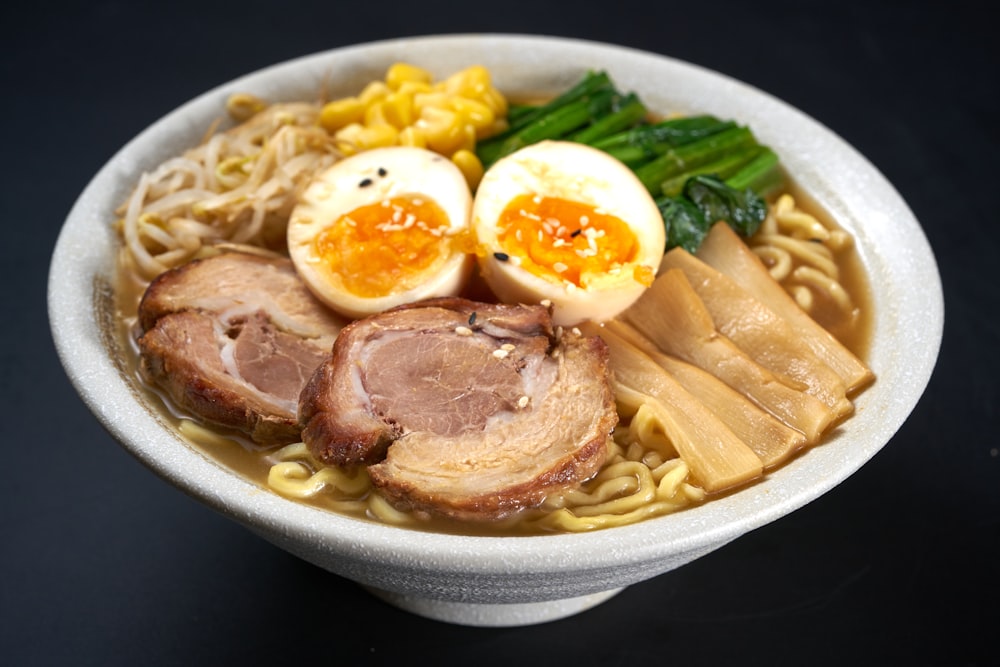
column 103, row 563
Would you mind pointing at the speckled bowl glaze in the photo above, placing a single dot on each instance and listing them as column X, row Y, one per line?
column 500, row 581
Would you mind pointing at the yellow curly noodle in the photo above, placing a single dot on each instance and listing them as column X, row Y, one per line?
column 801, row 254
column 294, row 473
column 239, row 187
column 636, row 483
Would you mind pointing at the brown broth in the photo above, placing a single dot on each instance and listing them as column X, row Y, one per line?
column 238, row 454
column 856, row 334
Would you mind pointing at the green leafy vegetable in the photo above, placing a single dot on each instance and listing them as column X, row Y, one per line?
column 684, row 222
column 682, row 160
column 543, row 120
column 644, row 142
column 762, row 174
column 744, row 210
column 723, row 167
column 626, row 112
column 699, row 169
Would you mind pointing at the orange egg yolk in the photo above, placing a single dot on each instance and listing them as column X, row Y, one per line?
column 563, row 240
column 386, row 247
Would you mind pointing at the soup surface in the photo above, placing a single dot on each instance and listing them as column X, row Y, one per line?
column 645, row 474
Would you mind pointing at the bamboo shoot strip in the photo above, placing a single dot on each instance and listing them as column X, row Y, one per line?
column 723, row 250
column 771, row 440
column 764, row 336
column 718, row 459
column 672, row 315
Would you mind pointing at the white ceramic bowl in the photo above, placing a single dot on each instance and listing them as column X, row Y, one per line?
column 512, row 580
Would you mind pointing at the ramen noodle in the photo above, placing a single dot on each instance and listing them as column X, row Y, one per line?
column 238, row 188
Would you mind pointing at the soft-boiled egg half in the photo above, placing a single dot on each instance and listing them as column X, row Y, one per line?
column 569, row 224
column 382, row 228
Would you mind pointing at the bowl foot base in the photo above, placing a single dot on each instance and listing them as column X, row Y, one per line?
column 493, row 615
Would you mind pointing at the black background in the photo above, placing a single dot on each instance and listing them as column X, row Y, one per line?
column 102, row 563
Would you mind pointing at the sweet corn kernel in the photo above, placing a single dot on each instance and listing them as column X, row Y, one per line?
column 376, row 136
column 412, row 136
column 433, row 100
column 472, row 81
column 409, row 108
column 375, row 90
column 472, row 112
column 411, row 88
column 495, row 100
column 339, row 113
column 443, row 130
column 397, row 109
column 400, row 73
column 356, row 137
column 470, row 166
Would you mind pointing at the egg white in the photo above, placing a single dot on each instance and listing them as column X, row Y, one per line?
column 579, row 173
column 368, row 178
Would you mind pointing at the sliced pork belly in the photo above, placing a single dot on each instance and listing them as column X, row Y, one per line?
column 233, row 339
column 463, row 409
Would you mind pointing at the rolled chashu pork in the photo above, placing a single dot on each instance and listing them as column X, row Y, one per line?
column 462, row 409
column 233, row 339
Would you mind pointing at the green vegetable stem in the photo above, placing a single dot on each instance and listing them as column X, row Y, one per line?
column 699, row 169
column 644, row 142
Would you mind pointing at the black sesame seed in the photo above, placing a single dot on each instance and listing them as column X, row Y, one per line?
column 365, row 182
column 576, row 233
column 382, row 171
column 502, row 256
column 472, row 318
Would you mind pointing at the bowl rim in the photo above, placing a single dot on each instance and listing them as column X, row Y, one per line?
column 79, row 268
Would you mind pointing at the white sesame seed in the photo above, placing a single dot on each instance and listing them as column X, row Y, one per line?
column 576, row 331
column 523, row 402
column 507, row 346
column 559, row 267
column 463, row 331
column 500, row 354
